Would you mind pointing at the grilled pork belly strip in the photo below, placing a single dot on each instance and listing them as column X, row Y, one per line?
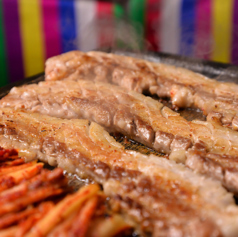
column 221, row 167
column 118, row 110
column 137, row 116
column 163, row 197
column 130, row 113
column 184, row 87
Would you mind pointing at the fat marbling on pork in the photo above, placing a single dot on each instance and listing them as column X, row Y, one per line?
column 160, row 197
column 138, row 117
column 184, row 87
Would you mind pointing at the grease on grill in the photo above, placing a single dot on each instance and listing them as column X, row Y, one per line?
column 130, row 144
column 188, row 113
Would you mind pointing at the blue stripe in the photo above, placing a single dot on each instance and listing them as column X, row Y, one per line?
column 68, row 25
column 187, row 23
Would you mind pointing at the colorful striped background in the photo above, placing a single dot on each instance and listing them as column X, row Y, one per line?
column 33, row 30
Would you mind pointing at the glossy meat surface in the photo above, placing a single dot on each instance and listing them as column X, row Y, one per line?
column 184, row 87
column 159, row 195
column 118, row 110
column 132, row 114
column 137, row 116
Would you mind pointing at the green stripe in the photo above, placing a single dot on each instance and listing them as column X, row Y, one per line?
column 118, row 11
column 119, row 15
column 137, row 10
column 3, row 62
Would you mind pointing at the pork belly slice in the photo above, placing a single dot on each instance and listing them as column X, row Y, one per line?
column 76, row 64
column 130, row 113
column 221, row 167
column 137, row 116
column 157, row 195
column 184, row 87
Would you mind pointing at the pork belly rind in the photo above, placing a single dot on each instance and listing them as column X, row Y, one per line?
column 184, row 87
column 155, row 194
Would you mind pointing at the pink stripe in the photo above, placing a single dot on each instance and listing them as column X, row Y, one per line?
column 203, row 43
column 51, row 28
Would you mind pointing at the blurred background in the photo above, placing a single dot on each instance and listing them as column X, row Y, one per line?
column 33, row 30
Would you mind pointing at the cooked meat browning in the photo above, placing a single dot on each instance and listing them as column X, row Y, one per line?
column 157, row 194
column 184, row 87
column 134, row 115
column 77, row 64
column 221, row 167
column 139, row 117
column 130, row 113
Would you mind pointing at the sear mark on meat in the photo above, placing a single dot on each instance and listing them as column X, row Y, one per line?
column 138, row 117
column 185, row 88
column 157, row 195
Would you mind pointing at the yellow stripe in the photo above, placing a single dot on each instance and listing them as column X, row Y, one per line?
column 222, row 30
column 32, row 37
